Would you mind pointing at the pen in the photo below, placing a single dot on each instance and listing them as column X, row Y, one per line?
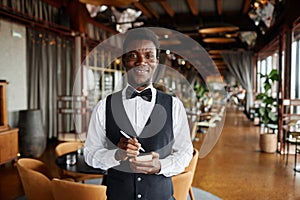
column 128, row 137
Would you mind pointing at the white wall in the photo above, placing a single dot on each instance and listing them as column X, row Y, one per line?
column 13, row 67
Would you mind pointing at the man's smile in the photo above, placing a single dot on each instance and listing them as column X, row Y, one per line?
column 141, row 71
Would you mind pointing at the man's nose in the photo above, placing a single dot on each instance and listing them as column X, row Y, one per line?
column 141, row 59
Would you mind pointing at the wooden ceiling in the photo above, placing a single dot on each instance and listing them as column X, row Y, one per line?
column 217, row 25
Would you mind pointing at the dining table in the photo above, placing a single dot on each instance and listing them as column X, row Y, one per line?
column 79, row 165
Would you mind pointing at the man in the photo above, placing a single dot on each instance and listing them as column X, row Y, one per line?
column 156, row 122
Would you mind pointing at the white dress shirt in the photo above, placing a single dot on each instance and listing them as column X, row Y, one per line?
column 138, row 111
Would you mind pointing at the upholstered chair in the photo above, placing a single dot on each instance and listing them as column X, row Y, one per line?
column 67, row 147
column 63, row 190
column 35, row 178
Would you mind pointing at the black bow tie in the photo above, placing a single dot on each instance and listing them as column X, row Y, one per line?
column 146, row 94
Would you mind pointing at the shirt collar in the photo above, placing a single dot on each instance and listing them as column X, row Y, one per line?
column 150, row 86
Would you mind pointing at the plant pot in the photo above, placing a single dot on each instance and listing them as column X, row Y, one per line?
column 32, row 138
column 268, row 143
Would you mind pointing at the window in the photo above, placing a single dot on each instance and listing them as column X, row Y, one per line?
column 265, row 66
column 295, row 75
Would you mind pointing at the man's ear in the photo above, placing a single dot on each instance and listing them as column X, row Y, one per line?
column 123, row 59
column 157, row 53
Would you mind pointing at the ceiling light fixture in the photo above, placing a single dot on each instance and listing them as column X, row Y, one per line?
column 219, row 40
column 262, row 12
column 221, row 29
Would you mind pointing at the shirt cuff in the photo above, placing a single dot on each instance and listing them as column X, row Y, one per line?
column 163, row 167
column 112, row 153
column 110, row 158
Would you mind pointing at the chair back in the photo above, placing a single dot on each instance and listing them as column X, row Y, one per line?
column 182, row 182
column 35, row 178
column 67, row 147
column 63, row 190
column 181, row 185
column 193, row 163
column 193, row 118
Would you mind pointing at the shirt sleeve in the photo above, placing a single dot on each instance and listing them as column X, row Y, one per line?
column 183, row 147
column 95, row 148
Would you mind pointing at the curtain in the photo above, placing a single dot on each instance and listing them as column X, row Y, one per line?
column 33, row 8
column 49, row 74
column 240, row 64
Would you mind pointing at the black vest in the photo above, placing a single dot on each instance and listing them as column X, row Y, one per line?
column 157, row 135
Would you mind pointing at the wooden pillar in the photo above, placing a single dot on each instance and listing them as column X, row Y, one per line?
column 78, row 21
column 285, row 44
column 280, row 97
column 287, row 63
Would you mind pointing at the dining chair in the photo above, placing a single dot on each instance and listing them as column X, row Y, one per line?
column 193, row 118
column 215, row 116
column 67, row 147
column 63, row 190
column 35, row 178
column 182, row 182
column 181, row 185
column 192, row 167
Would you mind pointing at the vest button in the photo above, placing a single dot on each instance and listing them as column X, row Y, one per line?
column 139, row 179
column 139, row 196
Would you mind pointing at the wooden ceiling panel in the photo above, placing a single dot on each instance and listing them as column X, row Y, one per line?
column 167, row 8
column 220, row 7
column 207, row 6
column 246, row 6
column 193, row 7
column 143, row 9
column 151, row 10
column 215, row 24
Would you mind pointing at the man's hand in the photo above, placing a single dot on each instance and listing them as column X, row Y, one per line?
column 146, row 167
column 127, row 148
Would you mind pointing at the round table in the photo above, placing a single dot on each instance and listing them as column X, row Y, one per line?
column 80, row 166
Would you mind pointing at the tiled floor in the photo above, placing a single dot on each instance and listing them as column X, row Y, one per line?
column 234, row 169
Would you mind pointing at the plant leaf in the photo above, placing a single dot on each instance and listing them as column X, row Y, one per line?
column 269, row 100
column 274, row 75
column 261, row 111
column 260, row 96
column 272, row 116
column 267, row 85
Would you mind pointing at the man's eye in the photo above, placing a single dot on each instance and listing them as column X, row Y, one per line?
column 150, row 56
column 132, row 55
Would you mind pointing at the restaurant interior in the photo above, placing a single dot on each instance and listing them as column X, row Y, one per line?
column 234, row 64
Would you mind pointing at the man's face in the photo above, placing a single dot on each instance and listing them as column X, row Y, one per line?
column 140, row 63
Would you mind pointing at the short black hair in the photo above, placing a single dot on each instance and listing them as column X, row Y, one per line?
column 140, row 34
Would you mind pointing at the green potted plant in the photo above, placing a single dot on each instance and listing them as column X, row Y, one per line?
column 201, row 91
column 268, row 113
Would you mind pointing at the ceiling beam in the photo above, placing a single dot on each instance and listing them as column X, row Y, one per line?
column 246, row 6
column 57, row 4
column 239, row 20
column 220, row 7
column 108, row 2
column 215, row 56
column 143, row 9
column 152, row 11
column 219, row 62
column 167, row 8
column 222, row 67
column 193, row 7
